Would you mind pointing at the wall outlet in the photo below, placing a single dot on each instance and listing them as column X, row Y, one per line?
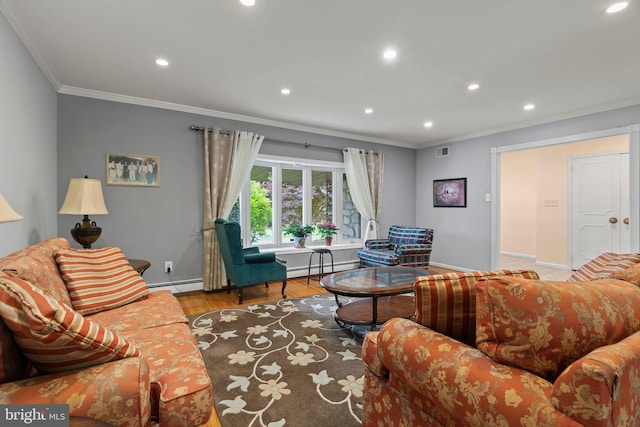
column 168, row 266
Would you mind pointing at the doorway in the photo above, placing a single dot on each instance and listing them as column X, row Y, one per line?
column 534, row 225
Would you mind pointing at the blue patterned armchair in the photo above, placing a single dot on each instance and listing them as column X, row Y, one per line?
column 406, row 246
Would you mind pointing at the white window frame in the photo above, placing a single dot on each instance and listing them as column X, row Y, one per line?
column 306, row 165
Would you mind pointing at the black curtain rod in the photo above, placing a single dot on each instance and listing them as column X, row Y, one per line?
column 201, row 129
column 275, row 141
column 303, row 144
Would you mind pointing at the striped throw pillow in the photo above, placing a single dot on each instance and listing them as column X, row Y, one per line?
column 13, row 364
column 52, row 335
column 603, row 265
column 99, row 279
column 447, row 302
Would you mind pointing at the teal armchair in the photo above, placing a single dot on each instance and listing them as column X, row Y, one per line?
column 246, row 266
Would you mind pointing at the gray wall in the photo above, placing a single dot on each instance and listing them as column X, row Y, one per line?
column 27, row 145
column 463, row 236
column 163, row 223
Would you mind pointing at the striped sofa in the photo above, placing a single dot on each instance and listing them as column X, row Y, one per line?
column 81, row 328
column 405, row 246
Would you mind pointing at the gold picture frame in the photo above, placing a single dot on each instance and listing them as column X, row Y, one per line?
column 132, row 170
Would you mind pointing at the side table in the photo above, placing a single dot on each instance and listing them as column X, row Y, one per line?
column 139, row 265
column 320, row 252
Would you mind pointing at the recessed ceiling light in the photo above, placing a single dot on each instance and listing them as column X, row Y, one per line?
column 162, row 62
column 390, row 54
column 428, row 124
column 617, row 7
column 529, row 107
column 368, row 110
column 248, row 2
column 473, row 86
column 285, row 91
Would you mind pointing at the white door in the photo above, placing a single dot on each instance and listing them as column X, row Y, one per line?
column 599, row 206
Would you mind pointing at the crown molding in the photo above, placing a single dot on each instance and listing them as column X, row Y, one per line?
column 628, row 102
column 108, row 96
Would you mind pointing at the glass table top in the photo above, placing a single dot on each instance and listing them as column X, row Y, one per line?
column 373, row 281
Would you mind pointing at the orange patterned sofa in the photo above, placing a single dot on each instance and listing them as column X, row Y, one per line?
column 81, row 328
column 504, row 348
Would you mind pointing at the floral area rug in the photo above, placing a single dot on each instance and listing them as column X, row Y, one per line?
column 282, row 363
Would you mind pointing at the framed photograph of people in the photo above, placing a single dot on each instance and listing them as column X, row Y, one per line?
column 133, row 170
column 450, row 193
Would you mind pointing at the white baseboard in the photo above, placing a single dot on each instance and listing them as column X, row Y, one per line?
column 177, row 288
column 451, row 267
column 550, row 265
column 517, row 255
column 338, row 266
column 301, row 271
column 538, row 263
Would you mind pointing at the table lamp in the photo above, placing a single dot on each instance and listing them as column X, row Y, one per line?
column 7, row 214
column 84, row 197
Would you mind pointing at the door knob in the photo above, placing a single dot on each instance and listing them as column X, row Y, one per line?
column 626, row 221
column 613, row 220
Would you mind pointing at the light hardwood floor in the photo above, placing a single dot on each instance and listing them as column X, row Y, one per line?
column 202, row 302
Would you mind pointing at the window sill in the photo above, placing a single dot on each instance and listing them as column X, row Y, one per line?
column 310, row 248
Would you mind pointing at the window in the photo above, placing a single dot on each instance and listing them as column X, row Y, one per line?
column 305, row 192
column 291, row 198
column 261, row 204
column 351, row 224
column 321, row 199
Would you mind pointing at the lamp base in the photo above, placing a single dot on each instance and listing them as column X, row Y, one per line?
column 87, row 233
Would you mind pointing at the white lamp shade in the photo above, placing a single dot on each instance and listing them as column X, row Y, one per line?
column 84, row 197
column 7, row 213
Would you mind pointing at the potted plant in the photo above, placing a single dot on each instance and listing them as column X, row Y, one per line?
column 299, row 233
column 327, row 229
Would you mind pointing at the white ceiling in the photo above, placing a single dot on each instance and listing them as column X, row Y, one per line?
column 228, row 60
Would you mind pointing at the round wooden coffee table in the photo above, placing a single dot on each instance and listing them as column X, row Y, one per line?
column 380, row 289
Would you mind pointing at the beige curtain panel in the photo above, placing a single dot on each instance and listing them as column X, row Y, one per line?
column 228, row 158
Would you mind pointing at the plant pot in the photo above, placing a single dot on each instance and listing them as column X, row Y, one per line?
column 328, row 240
column 298, row 242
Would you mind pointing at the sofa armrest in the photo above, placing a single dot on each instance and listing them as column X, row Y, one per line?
column 251, row 250
column 115, row 392
column 260, row 258
column 602, row 386
column 457, row 384
column 412, row 248
column 369, row 355
column 377, row 244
